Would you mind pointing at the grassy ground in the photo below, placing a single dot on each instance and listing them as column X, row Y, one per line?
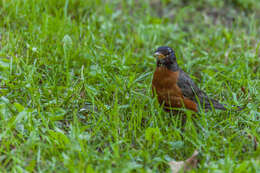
column 75, row 85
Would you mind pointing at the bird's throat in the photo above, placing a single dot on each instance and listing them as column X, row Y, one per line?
column 171, row 65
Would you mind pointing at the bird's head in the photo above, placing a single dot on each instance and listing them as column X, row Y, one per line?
column 165, row 55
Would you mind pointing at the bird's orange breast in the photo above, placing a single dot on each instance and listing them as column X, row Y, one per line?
column 167, row 90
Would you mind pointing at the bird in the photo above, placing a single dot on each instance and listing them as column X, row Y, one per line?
column 174, row 88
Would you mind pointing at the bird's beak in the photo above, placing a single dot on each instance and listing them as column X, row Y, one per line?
column 159, row 55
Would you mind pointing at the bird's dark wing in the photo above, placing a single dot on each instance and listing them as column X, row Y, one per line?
column 191, row 91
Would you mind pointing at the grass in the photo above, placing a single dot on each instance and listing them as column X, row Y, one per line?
column 75, row 85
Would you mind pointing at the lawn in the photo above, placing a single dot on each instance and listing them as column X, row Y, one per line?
column 75, row 85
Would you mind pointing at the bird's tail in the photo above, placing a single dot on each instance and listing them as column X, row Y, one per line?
column 238, row 108
column 217, row 105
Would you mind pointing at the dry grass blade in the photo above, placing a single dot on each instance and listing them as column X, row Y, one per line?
column 192, row 162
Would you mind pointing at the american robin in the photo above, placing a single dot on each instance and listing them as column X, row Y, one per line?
column 174, row 88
